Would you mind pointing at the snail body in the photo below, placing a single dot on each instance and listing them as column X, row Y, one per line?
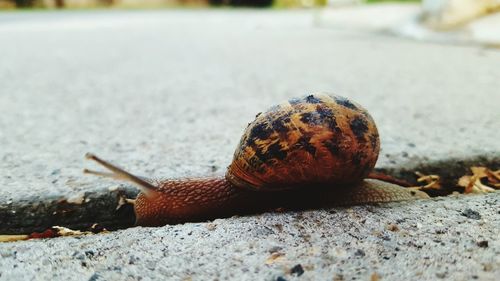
column 311, row 151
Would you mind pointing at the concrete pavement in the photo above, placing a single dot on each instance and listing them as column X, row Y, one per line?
column 168, row 93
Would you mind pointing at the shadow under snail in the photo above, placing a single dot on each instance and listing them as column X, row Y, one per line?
column 308, row 152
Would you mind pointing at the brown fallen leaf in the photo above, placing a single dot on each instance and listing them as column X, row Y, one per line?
column 123, row 200
column 479, row 171
column 97, row 228
column 493, row 178
column 13, row 238
column 473, row 184
column 64, row 231
column 54, row 231
column 430, row 181
column 48, row 233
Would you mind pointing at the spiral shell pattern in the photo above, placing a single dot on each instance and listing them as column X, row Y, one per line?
column 317, row 140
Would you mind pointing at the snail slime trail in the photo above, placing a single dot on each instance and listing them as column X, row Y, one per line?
column 307, row 152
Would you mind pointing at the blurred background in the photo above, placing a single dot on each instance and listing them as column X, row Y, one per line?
column 154, row 3
column 416, row 19
column 167, row 3
column 472, row 5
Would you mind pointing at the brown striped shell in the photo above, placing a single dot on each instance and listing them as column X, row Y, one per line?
column 312, row 141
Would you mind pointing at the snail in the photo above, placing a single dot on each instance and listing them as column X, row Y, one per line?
column 310, row 151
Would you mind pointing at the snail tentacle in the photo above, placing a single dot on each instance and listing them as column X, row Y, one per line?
column 102, row 174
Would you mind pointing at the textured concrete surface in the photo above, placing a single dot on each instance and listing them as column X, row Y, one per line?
column 447, row 239
column 167, row 94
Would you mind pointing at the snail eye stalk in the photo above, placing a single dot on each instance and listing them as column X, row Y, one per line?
column 120, row 174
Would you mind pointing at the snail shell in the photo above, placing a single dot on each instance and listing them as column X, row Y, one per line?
column 314, row 141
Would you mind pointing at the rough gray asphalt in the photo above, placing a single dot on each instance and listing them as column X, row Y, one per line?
column 167, row 94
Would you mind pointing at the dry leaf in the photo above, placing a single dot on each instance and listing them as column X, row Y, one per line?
column 495, row 174
column 55, row 231
column 480, row 172
column 464, row 181
column 64, row 231
column 493, row 178
column 472, row 184
column 12, row 238
column 124, row 201
column 97, row 228
column 479, row 187
column 431, row 181
column 48, row 233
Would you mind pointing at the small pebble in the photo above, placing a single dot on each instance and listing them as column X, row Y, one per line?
column 471, row 214
column 275, row 249
column 211, row 226
column 297, row 270
column 338, row 277
column 483, row 244
column 359, row 253
column 89, row 254
column 393, row 227
column 441, row 274
column 94, row 277
column 440, row 231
